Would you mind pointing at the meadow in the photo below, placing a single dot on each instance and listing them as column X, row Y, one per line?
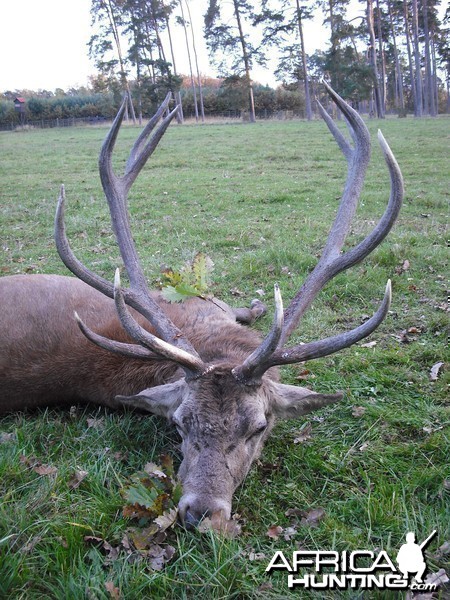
column 259, row 200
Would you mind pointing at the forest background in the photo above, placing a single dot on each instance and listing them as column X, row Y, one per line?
column 391, row 57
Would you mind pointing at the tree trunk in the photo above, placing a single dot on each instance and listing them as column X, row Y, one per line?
column 123, row 76
column 373, row 61
column 188, row 52
column 418, row 71
column 199, row 79
column 304, row 64
column 382, row 60
column 429, row 75
column 410, row 58
column 246, row 63
column 400, row 100
column 177, row 95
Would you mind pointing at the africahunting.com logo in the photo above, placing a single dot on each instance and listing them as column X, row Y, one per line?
column 359, row 569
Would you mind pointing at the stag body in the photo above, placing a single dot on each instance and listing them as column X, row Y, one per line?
column 191, row 363
column 45, row 359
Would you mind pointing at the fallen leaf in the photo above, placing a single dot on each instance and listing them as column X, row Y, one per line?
column 29, row 546
column 358, row 411
column 167, row 519
column 76, row 478
column 45, row 470
column 294, row 512
column 434, row 371
column 268, row 585
column 369, row 344
column 159, row 556
column 229, row 528
column 304, row 434
column 438, row 578
column 311, row 518
column 113, row 591
column 274, row 532
column 5, row 438
column 256, row 555
column 443, row 550
column 403, row 267
column 304, row 374
column 96, row 423
column 110, row 552
column 364, row 446
column 289, row 533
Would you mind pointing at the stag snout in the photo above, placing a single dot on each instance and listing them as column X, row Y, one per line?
column 194, row 507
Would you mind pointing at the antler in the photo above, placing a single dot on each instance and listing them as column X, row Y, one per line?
column 170, row 343
column 332, row 260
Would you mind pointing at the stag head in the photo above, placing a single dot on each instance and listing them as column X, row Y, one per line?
column 224, row 409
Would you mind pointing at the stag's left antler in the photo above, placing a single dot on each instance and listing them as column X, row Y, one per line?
column 332, row 260
column 170, row 343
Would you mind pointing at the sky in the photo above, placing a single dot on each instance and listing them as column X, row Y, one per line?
column 43, row 44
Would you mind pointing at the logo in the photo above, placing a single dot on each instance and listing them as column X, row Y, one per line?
column 359, row 569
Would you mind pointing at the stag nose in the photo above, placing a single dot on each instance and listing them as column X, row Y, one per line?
column 192, row 509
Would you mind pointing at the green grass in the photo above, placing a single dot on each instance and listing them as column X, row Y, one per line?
column 259, row 200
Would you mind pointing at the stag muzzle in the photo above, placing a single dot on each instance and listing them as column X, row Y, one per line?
column 194, row 507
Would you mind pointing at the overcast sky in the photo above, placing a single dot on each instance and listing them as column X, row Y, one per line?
column 43, row 44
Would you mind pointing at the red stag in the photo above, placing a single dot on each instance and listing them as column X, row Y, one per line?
column 191, row 362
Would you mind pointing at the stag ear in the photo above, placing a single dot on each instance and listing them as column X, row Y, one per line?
column 290, row 401
column 162, row 400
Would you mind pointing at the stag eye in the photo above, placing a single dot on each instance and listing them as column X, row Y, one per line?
column 259, row 431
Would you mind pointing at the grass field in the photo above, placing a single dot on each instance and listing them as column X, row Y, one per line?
column 259, row 200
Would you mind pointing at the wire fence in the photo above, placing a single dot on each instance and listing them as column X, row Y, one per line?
column 228, row 115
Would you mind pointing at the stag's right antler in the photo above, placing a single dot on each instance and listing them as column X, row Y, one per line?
column 170, row 343
column 332, row 260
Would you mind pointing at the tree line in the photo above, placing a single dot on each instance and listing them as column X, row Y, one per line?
column 393, row 57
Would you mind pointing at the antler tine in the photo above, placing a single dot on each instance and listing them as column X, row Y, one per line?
column 116, row 191
column 358, row 160
column 193, row 364
column 139, row 143
column 332, row 261
column 122, row 348
column 68, row 257
column 346, row 148
column 330, row 345
column 262, row 354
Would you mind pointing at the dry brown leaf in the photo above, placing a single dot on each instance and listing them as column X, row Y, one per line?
column 113, row 591
column 358, row 411
column 369, row 344
column 76, row 478
column 289, row 533
column 229, row 528
column 96, row 423
column 7, row 437
column 45, row 469
column 312, row 518
column 304, row 434
column 256, row 555
column 438, row 578
column 29, row 546
column 274, row 532
column 403, row 267
column 434, row 371
column 167, row 519
column 159, row 556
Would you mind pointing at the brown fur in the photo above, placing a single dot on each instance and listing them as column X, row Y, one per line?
column 45, row 359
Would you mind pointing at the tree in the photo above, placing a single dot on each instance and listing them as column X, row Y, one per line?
column 227, row 36
column 373, row 61
column 108, row 15
column 283, row 22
